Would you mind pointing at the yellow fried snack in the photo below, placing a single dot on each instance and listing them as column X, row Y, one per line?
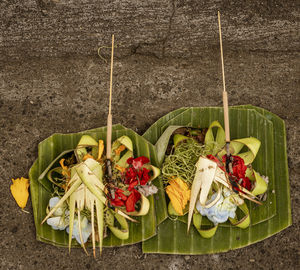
column 19, row 190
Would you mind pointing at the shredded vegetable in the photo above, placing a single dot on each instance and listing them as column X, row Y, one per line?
column 181, row 162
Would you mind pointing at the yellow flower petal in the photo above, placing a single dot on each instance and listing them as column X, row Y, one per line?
column 65, row 170
column 121, row 169
column 87, row 156
column 120, row 149
column 100, row 149
column 19, row 190
column 179, row 194
column 175, row 200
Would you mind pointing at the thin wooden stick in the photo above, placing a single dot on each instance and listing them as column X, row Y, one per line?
column 225, row 97
column 221, row 48
column 109, row 117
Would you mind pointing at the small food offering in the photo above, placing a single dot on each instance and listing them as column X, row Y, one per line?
column 203, row 183
column 92, row 197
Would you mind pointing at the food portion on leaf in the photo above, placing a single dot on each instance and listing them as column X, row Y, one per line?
column 86, row 203
column 195, row 176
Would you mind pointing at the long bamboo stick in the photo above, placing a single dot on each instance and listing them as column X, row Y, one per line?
column 225, row 96
column 109, row 116
column 109, row 123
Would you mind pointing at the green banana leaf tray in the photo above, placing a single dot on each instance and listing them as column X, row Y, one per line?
column 41, row 191
column 266, row 220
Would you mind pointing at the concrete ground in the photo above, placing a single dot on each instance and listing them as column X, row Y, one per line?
column 52, row 80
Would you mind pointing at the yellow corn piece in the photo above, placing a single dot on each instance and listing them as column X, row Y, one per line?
column 100, row 149
column 19, row 190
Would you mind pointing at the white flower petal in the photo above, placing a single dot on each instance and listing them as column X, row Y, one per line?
column 220, row 211
column 86, row 230
column 60, row 210
column 57, row 223
column 53, row 201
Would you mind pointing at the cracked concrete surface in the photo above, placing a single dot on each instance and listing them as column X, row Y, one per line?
column 52, row 80
column 160, row 28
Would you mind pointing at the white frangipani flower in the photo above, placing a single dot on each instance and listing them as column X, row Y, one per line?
column 58, row 223
column 221, row 211
column 60, row 218
column 86, row 230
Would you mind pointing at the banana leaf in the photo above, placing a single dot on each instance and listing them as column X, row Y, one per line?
column 202, row 117
column 192, row 116
column 245, row 121
column 152, row 134
column 41, row 191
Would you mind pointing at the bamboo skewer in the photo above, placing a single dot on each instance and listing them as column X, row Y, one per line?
column 109, row 117
column 225, row 97
column 229, row 160
column 109, row 120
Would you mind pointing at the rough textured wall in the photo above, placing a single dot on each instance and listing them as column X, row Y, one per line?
column 161, row 28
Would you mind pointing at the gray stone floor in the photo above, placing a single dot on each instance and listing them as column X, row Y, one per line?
column 52, row 80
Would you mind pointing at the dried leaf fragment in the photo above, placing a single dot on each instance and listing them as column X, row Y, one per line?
column 19, row 190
